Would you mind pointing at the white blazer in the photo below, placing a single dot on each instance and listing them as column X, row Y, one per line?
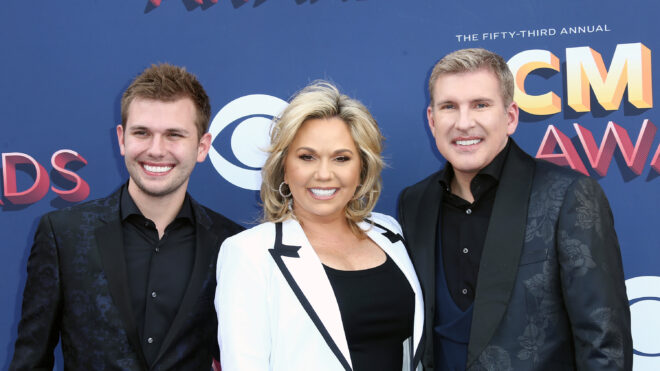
column 276, row 308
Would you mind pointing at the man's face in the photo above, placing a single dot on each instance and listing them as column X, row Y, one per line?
column 160, row 146
column 469, row 120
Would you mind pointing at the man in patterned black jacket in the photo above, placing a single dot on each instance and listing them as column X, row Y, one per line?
column 518, row 258
column 127, row 282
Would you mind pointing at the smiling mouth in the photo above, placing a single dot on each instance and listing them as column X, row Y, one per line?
column 323, row 193
column 467, row 142
column 157, row 169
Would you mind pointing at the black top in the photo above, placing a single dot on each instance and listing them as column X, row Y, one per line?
column 377, row 308
column 158, row 269
column 464, row 226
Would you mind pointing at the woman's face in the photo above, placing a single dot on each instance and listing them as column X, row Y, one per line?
column 322, row 169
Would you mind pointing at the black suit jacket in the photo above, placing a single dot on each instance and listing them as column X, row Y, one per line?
column 76, row 289
column 550, row 291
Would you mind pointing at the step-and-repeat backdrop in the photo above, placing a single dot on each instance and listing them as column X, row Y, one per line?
column 584, row 82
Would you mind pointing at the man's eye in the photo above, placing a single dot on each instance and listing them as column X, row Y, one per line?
column 481, row 105
column 446, row 106
column 139, row 133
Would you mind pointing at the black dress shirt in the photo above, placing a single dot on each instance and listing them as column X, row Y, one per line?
column 158, row 269
column 464, row 226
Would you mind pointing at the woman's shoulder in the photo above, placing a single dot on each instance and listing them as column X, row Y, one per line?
column 253, row 239
column 385, row 221
column 263, row 230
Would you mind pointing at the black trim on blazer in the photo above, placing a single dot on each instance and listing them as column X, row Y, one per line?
column 277, row 252
column 393, row 237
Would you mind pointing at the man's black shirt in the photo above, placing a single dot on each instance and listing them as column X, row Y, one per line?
column 158, row 269
column 464, row 226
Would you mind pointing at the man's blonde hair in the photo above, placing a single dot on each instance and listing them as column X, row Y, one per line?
column 469, row 60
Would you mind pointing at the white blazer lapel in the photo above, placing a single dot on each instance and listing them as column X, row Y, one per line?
column 392, row 243
column 305, row 275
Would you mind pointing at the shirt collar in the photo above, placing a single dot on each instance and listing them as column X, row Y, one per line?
column 127, row 207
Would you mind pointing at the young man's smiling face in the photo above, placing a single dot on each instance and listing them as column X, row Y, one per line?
column 161, row 145
column 469, row 119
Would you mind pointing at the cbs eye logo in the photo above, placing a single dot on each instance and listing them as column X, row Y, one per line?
column 644, row 297
column 250, row 117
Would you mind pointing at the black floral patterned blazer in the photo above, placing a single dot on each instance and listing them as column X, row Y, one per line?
column 550, row 291
column 76, row 290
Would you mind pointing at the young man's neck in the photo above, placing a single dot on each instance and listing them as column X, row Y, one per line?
column 160, row 210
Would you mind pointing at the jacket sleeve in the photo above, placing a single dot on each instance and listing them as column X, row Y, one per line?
column 39, row 327
column 592, row 279
column 241, row 302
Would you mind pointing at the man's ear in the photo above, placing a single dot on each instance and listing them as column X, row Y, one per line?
column 429, row 118
column 120, row 139
column 512, row 114
column 203, row 147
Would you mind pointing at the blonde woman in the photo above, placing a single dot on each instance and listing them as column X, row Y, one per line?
column 324, row 283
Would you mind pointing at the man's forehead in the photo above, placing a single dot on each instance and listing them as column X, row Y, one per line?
column 453, row 83
column 483, row 73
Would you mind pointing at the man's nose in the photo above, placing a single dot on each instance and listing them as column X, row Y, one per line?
column 156, row 146
column 465, row 119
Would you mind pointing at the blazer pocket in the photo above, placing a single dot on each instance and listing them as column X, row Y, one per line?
column 534, row 256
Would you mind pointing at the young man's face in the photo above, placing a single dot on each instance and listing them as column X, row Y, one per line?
column 469, row 120
column 160, row 146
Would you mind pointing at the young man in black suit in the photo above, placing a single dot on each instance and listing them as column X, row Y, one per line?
column 518, row 258
column 127, row 281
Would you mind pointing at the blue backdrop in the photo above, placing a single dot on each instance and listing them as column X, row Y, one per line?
column 64, row 66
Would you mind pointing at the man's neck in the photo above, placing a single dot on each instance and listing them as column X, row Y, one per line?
column 460, row 186
column 160, row 210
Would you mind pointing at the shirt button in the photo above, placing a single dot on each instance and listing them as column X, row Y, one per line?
column 468, row 211
column 150, row 340
column 157, row 249
column 465, row 250
column 153, row 294
column 464, row 291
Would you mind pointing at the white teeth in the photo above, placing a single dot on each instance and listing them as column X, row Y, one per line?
column 157, row 169
column 468, row 142
column 323, row 192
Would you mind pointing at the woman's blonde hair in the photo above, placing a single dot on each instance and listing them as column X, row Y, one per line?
column 322, row 100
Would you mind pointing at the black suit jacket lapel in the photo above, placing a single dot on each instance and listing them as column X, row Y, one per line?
column 109, row 239
column 502, row 248
column 205, row 249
